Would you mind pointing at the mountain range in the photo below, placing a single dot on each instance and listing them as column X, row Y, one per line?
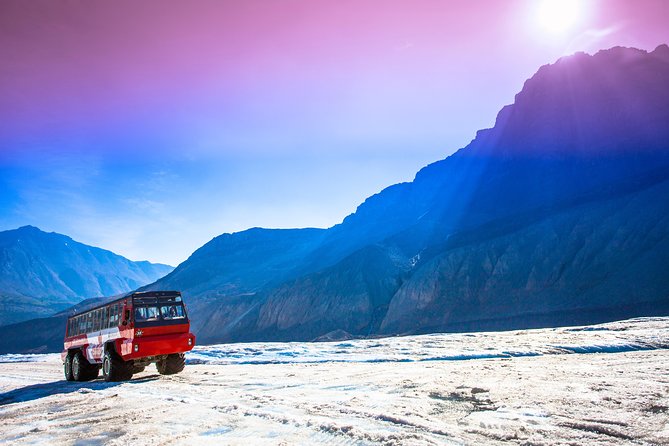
column 43, row 273
column 557, row 215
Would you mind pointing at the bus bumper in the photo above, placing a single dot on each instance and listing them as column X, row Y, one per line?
column 157, row 345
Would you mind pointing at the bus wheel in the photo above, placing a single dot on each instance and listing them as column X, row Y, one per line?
column 172, row 364
column 93, row 371
column 67, row 368
column 82, row 370
column 79, row 367
column 115, row 368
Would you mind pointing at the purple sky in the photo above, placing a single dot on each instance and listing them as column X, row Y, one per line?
column 149, row 127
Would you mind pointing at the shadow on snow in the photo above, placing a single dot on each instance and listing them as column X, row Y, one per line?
column 62, row 387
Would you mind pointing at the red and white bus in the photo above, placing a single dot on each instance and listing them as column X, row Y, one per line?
column 125, row 335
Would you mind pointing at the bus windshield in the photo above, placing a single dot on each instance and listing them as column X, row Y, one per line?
column 164, row 312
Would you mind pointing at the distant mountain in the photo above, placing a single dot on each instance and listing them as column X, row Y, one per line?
column 42, row 273
column 244, row 262
column 237, row 266
column 557, row 215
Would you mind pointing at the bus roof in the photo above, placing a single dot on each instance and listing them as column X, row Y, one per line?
column 126, row 296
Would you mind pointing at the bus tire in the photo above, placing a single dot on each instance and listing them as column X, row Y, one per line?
column 93, row 371
column 67, row 367
column 172, row 364
column 137, row 369
column 82, row 370
column 114, row 368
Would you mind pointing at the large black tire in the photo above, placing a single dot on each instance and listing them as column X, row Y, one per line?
column 67, row 367
column 82, row 370
column 114, row 368
column 137, row 369
column 172, row 364
column 93, row 372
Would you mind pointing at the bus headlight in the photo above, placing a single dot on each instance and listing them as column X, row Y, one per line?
column 136, row 347
column 190, row 341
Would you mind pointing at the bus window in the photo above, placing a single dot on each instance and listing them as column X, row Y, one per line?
column 172, row 312
column 146, row 314
column 105, row 318
column 140, row 314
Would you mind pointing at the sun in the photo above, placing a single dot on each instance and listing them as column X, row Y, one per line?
column 558, row 16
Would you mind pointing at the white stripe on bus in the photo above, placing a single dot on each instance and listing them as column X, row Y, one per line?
column 96, row 341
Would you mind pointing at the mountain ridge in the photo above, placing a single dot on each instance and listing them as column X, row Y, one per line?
column 41, row 273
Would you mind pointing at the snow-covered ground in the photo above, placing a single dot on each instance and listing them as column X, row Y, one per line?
column 523, row 387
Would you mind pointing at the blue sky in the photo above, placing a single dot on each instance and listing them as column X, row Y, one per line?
column 150, row 128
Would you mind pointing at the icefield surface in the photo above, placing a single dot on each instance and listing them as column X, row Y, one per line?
column 602, row 385
column 623, row 336
column 16, row 357
column 613, row 337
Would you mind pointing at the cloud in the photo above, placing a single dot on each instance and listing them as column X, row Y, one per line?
column 592, row 39
column 404, row 46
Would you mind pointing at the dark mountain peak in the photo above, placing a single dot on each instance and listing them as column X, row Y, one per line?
column 254, row 235
column 615, row 101
column 662, row 50
column 607, row 104
column 29, row 228
column 30, row 232
column 33, row 232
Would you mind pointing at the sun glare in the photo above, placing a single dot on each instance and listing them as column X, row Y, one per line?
column 558, row 16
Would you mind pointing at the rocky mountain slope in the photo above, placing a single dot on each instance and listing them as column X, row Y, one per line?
column 42, row 273
column 554, row 216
